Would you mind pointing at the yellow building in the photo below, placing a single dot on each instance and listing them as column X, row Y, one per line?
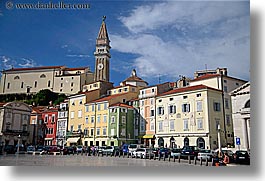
column 189, row 116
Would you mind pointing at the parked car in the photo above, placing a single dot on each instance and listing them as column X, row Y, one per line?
column 145, row 152
column 22, row 148
column 205, row 154
column 242, row 157
column 31, row 149
column 155, row 151
column 79, row 149
column 53, row 149
column 100, row 149
column 108, row 150
column 9, row 149
column 132, row 148
column 175, row 152
column 125, row 149
column 191, row 151
column 164, row 151
column 229, row 152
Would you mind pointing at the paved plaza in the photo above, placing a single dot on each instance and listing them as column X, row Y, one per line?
column 83, row 160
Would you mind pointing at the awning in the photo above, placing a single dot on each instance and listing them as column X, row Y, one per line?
column 48, row 138
column 148, row 136
column 73, row 140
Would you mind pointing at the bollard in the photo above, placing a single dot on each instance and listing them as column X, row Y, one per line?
column 115, row 154
column 179, row 159
column 119, row 154
column 174, row 158
column 123, row 155
column 141, row 155
column 128, row 155
column 101, row 154
column 159, row 156
column 154, row 157
column 201, row 161
column 189, row 159
column 164, row 157
column 206, row 163
column 213, row 162
column 149, row 156
column 195, row 159
column 169, row 156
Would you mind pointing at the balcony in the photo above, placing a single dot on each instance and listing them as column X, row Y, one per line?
column 147, row 95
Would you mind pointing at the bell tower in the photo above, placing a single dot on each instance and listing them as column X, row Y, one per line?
column 102, row 54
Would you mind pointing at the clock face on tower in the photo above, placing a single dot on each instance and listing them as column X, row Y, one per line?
column 100, row 66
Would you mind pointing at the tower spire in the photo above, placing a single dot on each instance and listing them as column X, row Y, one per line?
column 103, row 33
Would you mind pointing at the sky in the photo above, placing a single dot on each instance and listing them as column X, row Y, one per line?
column 162, row 40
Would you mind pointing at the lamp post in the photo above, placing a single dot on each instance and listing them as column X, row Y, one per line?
column 219, row 140
column 18, row 142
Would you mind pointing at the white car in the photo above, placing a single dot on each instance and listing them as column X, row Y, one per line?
column 205, row 154
column 175, row 152
column 145, row 152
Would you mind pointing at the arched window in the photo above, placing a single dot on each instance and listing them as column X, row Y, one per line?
column 16, row 78
column 160, row 142
column 186, row 141
column 201, row 143
column 247, row 105
column 42, row 76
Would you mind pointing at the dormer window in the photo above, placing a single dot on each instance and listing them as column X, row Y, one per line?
column 16, row 78
column 42, row 76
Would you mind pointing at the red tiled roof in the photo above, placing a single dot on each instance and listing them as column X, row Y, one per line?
column 134, row 78
column 2, row 104
column 121, row 105
column 34, row 68
column 206, row 76
column 107, row 98
column 186, row 89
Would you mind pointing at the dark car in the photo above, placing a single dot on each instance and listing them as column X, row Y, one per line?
column 242, row 157
column 191, row 151
column 163, row 151
column 125, row 149
column 53, row 149
column 155, row 151
column 9, row 149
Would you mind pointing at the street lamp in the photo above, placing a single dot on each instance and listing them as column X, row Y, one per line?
column 219, row 140
column 18, row 143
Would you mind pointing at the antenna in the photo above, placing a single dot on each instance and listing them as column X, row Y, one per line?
column 206, row 68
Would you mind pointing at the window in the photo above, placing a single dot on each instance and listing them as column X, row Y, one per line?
column 73, row 103
column 92, row 132
column 79, row 127
column 86, row 119
column 92, row 119
column 152, row 126
column 61, row 84
column 99, row 107
column 160, row 100
column 160, row 126
column 199, row 106
column 228, row 121
column 225, row 89
column 8, row 126
column 216, row 106
column 46, row 119
column 72, row 115
column 53, row 118
column 217, row 122
column 152, row 113
column 98, row 131
column 43, row 76
column 35, row 84
column 93, row 107
column 98, row 119
column 105, row 106
column 22, row 84
column 24, row 127
column 171, row 125
column 72, row 128
column 105, row 118
column 113, row 110
column 226, row 103
column 225, row 81
column 79, row 113
column 125, row 89
column 112, row 119
column 104, row 131
column 152, row 101
column 185, row 107
column 8, row 85
column 142, row 92
column 112, row 132
column 123, row 133
column 142, row 125
column 160, row 111
column 199, row 124
column 85, row 131
column 87, row 108
column 198, row 95
column 119, row 90
column 72, row 84
column 185, row 97
column 185, row 124
column 49, row 83
column 142, row 102
column 171, row 109
column 123, row 119
column 80, row 102
column 153, row 90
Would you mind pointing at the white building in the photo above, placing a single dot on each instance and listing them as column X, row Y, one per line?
column 241, row 115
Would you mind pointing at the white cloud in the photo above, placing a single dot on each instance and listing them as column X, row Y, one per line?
column 27, row 63
column 78, row 55
column 193, row 34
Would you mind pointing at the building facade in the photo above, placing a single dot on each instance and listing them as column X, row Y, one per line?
column 62, row 123
column 50, row 117
column 189, row 116
column 241, row 116
column 14, row 123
